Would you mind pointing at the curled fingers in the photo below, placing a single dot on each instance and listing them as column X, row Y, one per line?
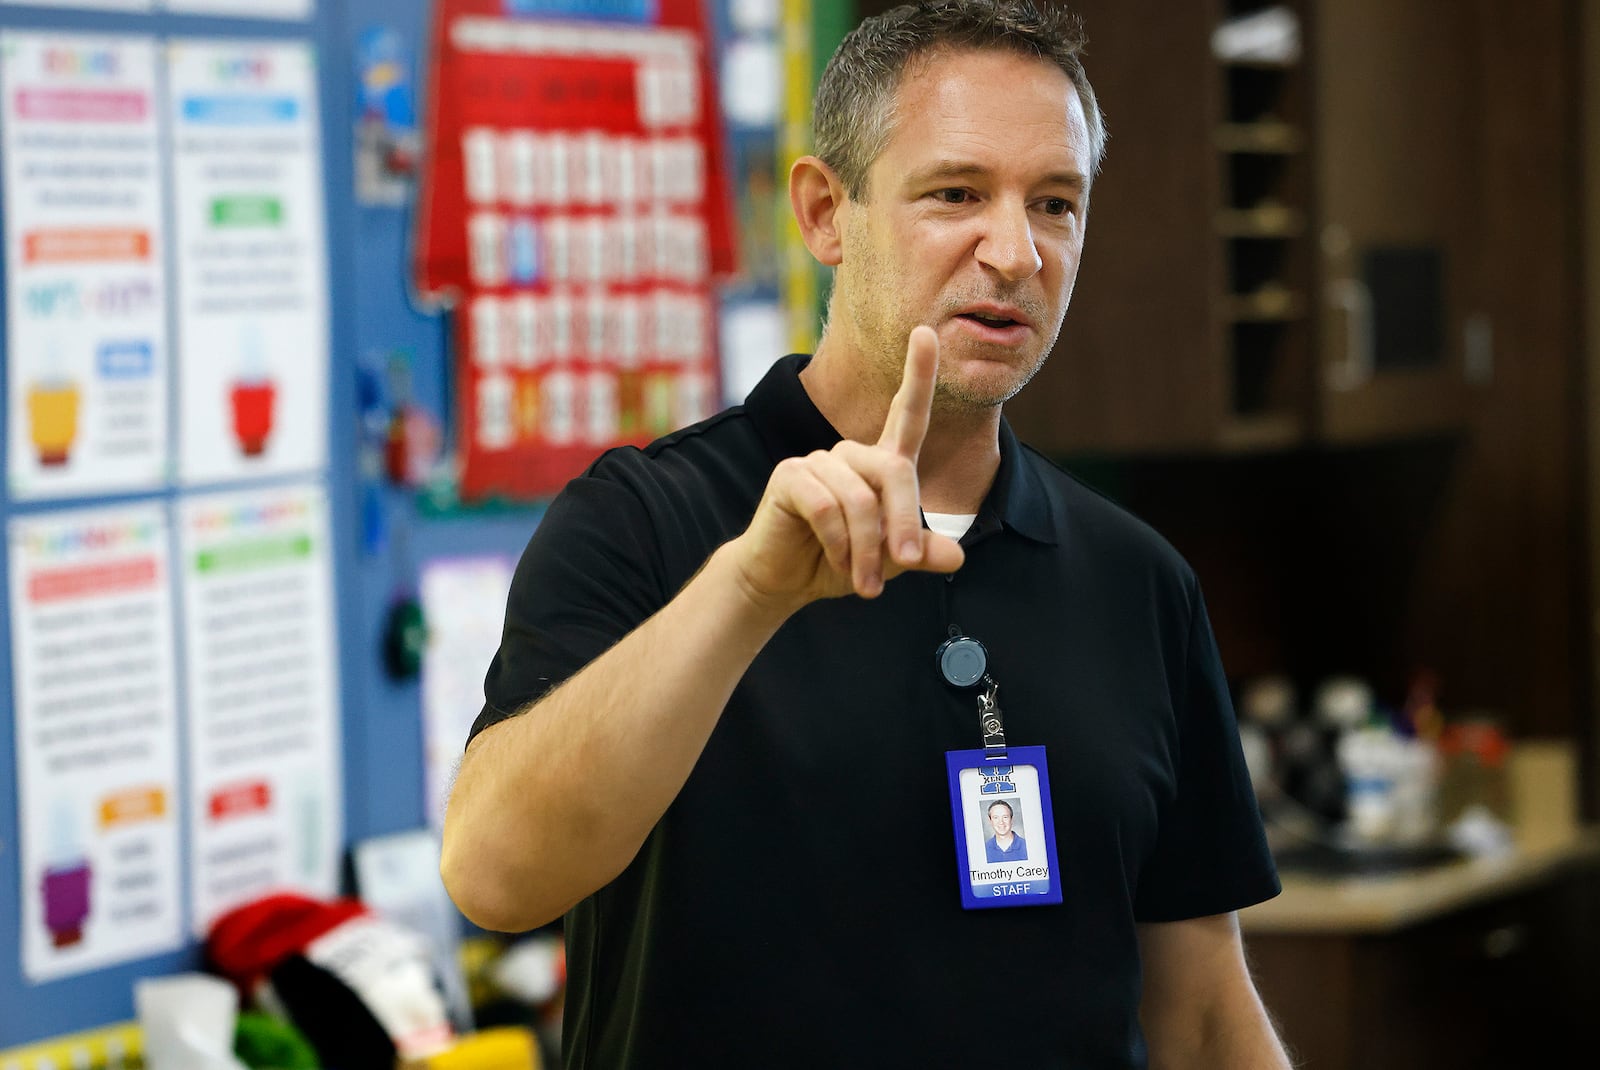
column 893, row 476
column 862, row 511
column 805, row 495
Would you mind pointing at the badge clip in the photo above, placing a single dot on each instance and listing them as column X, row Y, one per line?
column 991, row 721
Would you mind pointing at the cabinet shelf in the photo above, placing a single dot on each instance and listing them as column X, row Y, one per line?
column 1262, row 221
column 1270, row 304
column 1266, row 431
column 1260, row 64
column 1264, row 137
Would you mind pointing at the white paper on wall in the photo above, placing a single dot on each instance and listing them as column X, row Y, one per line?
column 752, row 338
column 263, row 9
column 463, row 603
column 100, row 5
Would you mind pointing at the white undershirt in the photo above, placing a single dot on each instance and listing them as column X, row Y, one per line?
column 950, row 525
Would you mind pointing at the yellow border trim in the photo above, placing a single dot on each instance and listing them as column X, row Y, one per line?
column 794, row 137
column 105, row 1048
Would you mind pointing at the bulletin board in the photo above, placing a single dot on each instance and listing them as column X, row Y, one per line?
column 176, row 499
column 387, row 350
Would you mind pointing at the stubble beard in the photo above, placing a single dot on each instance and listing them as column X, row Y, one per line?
column 956, row 395
column 883, row 337
column 883, row 326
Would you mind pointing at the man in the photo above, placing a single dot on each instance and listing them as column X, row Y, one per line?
column 1004, row 845
column 733, row 633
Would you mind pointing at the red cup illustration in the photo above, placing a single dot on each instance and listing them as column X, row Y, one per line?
column 253, row 404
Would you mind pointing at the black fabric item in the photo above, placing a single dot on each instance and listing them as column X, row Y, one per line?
column 797, row 905
column 332, row 1017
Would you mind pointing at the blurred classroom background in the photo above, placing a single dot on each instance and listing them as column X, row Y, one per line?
column 311, row 305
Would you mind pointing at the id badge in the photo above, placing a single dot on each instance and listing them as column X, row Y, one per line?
column 1005, row 831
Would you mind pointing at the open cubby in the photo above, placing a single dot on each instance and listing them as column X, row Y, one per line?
column 1256, row 262
column 1256, row 92
column 1266, row 375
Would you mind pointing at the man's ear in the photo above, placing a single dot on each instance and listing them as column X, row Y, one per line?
column 817, row 195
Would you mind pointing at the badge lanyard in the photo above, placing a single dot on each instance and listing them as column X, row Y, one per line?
column 999, row 797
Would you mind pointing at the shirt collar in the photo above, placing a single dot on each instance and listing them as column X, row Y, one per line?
column 791, row 425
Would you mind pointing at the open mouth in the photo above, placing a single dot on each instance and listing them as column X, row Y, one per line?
column 990, row 320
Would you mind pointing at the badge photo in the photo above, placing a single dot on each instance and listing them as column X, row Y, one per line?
column 1004, row 829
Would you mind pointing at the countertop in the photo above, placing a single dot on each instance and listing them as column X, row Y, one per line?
column 1392, row 901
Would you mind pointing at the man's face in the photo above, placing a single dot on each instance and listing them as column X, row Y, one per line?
column 1000, row 819
column 972, row 222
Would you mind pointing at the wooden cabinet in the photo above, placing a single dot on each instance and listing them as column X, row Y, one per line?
column 1279, row 252
column 1398, row 117
column 1509, row 983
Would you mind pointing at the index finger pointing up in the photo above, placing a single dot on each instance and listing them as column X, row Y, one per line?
column 907, row 424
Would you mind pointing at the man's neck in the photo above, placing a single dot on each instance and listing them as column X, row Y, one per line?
column 960, row 454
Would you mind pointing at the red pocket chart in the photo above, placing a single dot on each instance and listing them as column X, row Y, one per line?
column 573, row 213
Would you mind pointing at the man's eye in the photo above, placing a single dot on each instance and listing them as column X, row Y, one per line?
column 1057, row 206
column 952, row 196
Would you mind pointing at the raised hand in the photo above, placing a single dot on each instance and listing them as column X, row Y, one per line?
column 848, row 519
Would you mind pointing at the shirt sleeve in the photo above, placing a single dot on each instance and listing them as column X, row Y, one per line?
column 589, row 575
column 1211, row 854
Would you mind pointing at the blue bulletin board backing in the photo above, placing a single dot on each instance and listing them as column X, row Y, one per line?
column 380, row 536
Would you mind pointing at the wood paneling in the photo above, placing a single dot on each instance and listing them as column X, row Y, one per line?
column 1499, row 597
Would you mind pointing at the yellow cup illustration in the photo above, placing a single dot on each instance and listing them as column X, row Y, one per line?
column 53, row 420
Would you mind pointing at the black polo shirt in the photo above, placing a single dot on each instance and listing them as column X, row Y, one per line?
column 797, row 904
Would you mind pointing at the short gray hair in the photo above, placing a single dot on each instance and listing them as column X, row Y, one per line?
column 853, row 113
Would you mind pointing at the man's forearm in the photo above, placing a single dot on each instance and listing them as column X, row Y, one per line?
column 1200, row 1008
column 1235, row 1032
column 551, row 804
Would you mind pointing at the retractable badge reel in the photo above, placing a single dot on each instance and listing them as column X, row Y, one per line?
column 964, row 663
column 999, row 797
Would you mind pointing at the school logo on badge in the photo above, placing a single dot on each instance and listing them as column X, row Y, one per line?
column 996, row 779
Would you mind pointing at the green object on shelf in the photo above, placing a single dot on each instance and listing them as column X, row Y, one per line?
column 263, row 1042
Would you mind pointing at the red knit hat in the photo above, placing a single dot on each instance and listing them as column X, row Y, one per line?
column 247, row 942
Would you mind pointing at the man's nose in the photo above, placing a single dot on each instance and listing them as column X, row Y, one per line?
column 1007, row 245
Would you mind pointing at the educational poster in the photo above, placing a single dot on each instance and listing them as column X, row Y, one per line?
column 85, row 316
column 96, row 738
column 573, row 210
column 462, row 638
column 262, row 674
column 252, row 262
column 260, row 9
column 99, row 5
